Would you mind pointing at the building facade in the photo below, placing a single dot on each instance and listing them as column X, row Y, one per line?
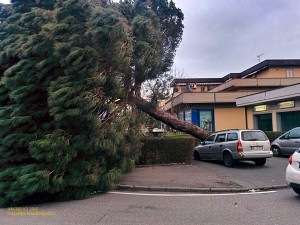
column 210, row 103
column 276, row 110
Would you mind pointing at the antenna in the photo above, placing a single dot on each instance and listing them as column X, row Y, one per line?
column 258, row 56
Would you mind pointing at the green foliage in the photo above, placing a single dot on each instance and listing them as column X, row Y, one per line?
column 272, row 135
column 167, row 149
column 157, row 29
column 151, row 123
column 57, row 138
column 67, row 69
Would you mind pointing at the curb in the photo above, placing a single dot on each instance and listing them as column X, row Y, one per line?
column 132, row 188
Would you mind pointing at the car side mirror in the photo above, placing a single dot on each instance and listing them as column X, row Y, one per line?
column 202, row 142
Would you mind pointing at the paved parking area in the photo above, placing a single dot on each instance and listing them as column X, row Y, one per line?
column 247, row 174
column 207, row 174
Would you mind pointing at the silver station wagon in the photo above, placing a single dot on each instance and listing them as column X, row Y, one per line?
column 232, row 145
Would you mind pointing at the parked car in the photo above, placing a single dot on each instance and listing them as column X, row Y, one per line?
column 232, row 145
column 292, row 173
column 287, row 143
column 158, row 131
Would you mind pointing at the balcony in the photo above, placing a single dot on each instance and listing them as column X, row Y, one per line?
column 205, row 97
column 255, row 83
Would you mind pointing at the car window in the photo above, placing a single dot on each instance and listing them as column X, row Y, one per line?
column 210, row 139
column 294, row 134
column 285, row 136
column 253, row 136
column 220, row 138
column 232, row 136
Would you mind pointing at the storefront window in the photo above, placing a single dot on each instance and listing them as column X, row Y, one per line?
column 199, row 117
column 290, row 120
column 264, row 122
column 206, row 120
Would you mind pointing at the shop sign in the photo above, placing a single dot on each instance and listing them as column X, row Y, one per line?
column 287, row 104
column 259, row 108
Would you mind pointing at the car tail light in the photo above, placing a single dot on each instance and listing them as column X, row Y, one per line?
column 239, row 146
column 291, row 160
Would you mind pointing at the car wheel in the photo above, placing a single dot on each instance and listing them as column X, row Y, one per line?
column 296, row 190
column 196, row 156
column 276, row 151
column 260, row 162
column 228, row 160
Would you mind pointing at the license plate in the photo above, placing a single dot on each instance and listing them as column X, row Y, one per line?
column 256, row 147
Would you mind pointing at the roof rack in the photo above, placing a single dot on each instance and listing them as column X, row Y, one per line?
column 226, row 130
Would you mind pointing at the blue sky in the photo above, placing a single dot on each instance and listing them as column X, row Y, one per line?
column 226, row 36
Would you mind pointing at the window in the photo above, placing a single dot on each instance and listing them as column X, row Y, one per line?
column 181, row 115
column 289, row 120
column 232, row 136
column 210, row 87
column 220, row 138
column 294, row 134
column 289, row 73
column 186, row 88
column 203, row 118
column 206, row 120
column 253, row 136
column 264, row 122
column 210, row 139
column 202, row 88
column 188, row 116
column 286, row 136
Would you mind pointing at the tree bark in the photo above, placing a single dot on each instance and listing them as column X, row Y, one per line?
column 169, row 119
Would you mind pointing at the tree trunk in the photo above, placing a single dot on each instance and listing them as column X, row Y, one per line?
column 169, row 119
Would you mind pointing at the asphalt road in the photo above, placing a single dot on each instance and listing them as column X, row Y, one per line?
column 246, row 174
column 279, row 207
column 272, row 208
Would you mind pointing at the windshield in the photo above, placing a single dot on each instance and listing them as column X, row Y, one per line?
column 253, row 136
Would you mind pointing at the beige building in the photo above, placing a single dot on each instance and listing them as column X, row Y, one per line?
column 275, row 110
column 210, row 103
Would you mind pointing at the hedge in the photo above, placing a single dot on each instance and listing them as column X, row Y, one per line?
column 272, row 135
column 160, row 150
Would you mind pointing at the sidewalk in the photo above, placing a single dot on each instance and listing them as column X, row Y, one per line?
column 184, row 178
